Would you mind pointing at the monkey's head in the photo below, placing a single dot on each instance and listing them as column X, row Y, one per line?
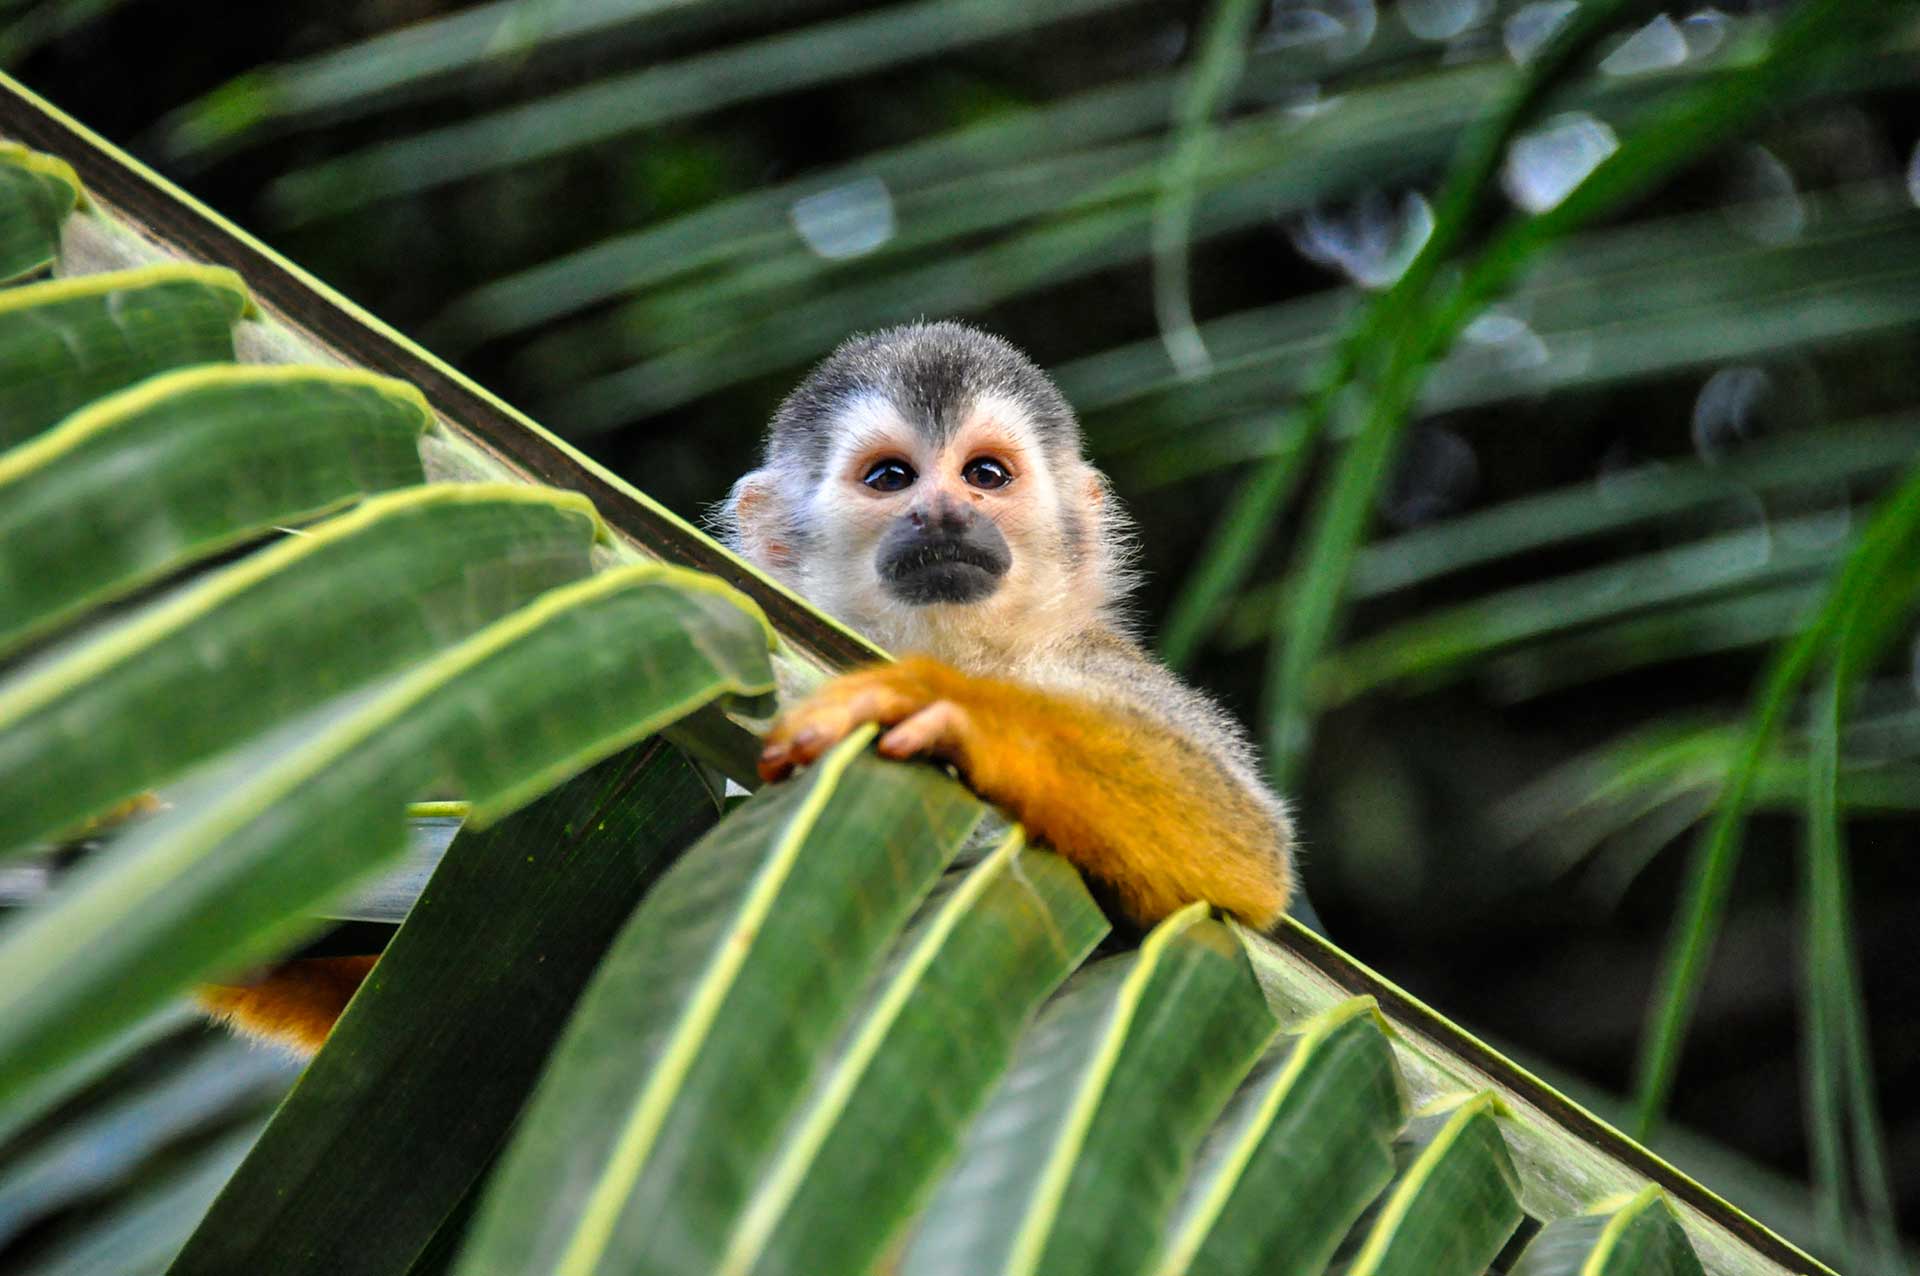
column 926, row 485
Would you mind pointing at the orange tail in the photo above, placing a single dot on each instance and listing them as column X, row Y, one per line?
column 295, row 1005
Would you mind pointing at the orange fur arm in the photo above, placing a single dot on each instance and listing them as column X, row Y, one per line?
column 295, row 1005
column 1152, row 816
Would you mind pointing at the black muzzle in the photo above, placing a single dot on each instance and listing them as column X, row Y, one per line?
column 944, row 563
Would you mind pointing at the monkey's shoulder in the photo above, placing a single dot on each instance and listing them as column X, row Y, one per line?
column 1113, row 670
column 1212, row 752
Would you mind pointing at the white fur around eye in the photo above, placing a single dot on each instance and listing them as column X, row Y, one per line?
column 865, row 424
column 996, row 416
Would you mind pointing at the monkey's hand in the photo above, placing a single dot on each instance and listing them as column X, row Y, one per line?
column 1152, row 816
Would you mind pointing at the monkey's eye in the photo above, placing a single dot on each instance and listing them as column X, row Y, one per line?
column 985, row 472
column 889, row 476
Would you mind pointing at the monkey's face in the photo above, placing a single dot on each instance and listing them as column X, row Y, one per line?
column 939, row 541
column 933, row 512
column 925, row 484
column 914, row 531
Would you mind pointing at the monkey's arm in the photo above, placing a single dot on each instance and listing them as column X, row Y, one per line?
column 295, row 1004
column 1151, row 815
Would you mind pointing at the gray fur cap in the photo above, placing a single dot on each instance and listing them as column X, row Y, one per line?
column 931, row 372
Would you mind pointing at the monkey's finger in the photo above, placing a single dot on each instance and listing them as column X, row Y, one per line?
column 939, row 730
column 774, row 764
column 779, row 758
column 824, row 720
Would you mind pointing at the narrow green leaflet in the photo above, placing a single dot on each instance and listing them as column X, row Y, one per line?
column 974, row 966
column 1641, row 1238
column 1713, row 301
column 140, row 1235
column 1847, row 614
column 319, row 613
column 438, row 1258
column 623, row 103
column 413, row 63
column 487, row 967
column 1244, row 530
column 1849, row 453
column 233, row 875
column 1718, row 623
column 36, row 194
column 110, row 1138
column 1208, row 87
column 1451, row 1211
column 1445, row 641
column 65, row 343
column 1079, row 1156
column 223, row 452
column 695, row 1043
column 751, row 227
column 389, row 897
column 135, row 1041
column 1305, row 1145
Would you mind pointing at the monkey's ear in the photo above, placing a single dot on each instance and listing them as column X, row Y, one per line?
column 755, row 521
column 1093, row 486
column 1096, row 494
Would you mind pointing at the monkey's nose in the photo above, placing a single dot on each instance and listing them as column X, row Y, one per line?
column 943, row 515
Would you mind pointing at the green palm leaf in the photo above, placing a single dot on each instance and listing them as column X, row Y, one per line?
column 1641, row 1238
column 1454, row 1206
column 407, row 573
column 711, row 1012
column 855, row 1166
column 609, row 108
column 413, row 63
column 66, row 342
column 1305, row 1146
column 226, row 878
column 210, row 478
column 486, row 968
column 1077, row 1159
column 36, row 194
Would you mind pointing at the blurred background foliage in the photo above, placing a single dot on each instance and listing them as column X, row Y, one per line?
column 1630, row 479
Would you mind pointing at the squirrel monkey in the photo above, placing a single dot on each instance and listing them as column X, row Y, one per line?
column 926, row 485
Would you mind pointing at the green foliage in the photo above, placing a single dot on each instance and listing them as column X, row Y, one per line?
column 289, row 703
column 619, row 104
column 95, row 334
column 1304, row 1148
column 690, row 1050
column 1642, row 1236
column 401, row 1082
column 1453, row 1205
column 292, row 703
column 424, row 566
column 214, row 479
column 39, row 193
column 1075, row 1163
column 972, row 966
